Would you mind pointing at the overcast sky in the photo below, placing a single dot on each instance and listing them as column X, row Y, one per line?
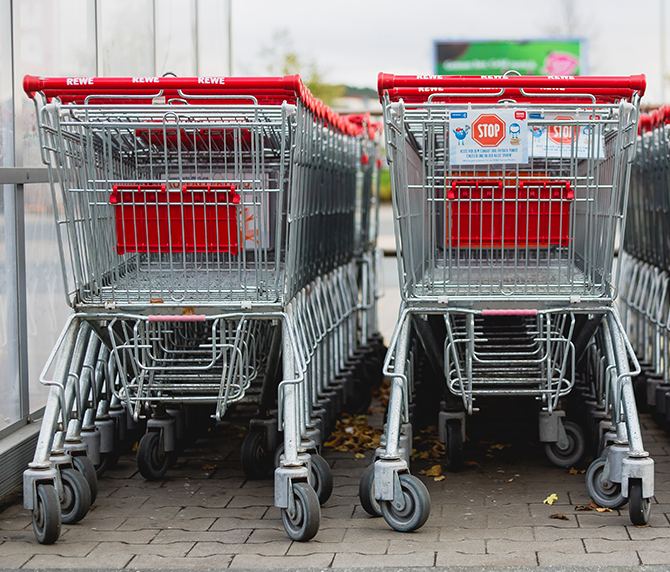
column 352, row 40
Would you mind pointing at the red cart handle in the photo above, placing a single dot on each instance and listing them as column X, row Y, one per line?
column 422, row 86
column 267, row 90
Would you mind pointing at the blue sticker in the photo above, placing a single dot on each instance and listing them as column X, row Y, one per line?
column 459, row 114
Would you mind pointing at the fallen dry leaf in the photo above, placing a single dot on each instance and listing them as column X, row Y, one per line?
column 471, row 463
column 559, row 516
column 434, row 471
column 500, row 446
column 359, row 456
column 573, row 471
column 354, row 434
column 440, row 478
column 603, row 509
column 643, row 526
column 583, row 508
column 551, row 499
column 188, row 312
column 209, row 467
column 510, row 480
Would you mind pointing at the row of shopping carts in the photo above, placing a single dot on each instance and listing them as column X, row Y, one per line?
column 509, row 194
column 646, row 262
column 217, row 239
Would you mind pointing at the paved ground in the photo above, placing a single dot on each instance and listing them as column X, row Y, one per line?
column 206, row 515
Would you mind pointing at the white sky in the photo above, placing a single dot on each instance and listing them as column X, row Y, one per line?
column 352, row 40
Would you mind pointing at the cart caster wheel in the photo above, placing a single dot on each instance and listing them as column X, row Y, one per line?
column 107, row 462
column 303, row 522
column 84, row 465
column 416, row 511
column 76, row 496
column 322, row 476
column 608, row 494
column 46, row 514
column 152, row 460
column 454, row 446
column 573, row 453
column 256, row 459
column 639, row 509
column 366, row 492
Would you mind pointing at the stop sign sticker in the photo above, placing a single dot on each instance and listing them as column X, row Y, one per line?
column 562, row 134
column 488, row 130
column 488, row 137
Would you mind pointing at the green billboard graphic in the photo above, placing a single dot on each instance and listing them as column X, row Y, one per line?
column 533, row 57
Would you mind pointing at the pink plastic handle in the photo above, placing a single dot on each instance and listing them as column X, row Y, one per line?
column 509, row 312
column 177, row 318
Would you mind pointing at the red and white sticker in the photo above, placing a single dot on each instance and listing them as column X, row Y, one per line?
column 488, row 137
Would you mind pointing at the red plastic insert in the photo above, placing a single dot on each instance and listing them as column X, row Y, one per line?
column 197, row 218
column 486, row 215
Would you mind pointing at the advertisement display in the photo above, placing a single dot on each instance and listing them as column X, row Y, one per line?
column 488, row 137
column 533, row 57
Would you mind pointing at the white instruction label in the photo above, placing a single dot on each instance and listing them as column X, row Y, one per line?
column 488, row 137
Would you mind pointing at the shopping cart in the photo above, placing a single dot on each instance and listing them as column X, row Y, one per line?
column 508, row 193
column 645, row 263
column 203, row 224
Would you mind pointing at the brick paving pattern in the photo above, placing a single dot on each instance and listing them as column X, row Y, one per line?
column 205, row 514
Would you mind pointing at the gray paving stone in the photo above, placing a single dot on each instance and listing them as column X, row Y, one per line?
column 236, row 536
column 552, row 533
column 15, row 560
column 444, row 558
column 257, row 561
column 105, row 550
column 409, row 546
column 356, row 560
column 654, row 557
column 65, row 547
column 55, row 562
column 277, row 548
column 149, row 561
column 524, row 533
column 129, row 537
column 565, row 546
column 603, row 559
column 610, row 546
column 359, row 547
column 246, row 513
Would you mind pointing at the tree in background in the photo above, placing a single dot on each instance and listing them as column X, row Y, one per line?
column 282, row 59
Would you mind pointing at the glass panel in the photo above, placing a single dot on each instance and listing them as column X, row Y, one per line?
column 175, row 37
column 9, row 405
column 213, row 37
column 127, row 38
column 55, row 41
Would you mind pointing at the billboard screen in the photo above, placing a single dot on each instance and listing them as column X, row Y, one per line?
column 533, row 57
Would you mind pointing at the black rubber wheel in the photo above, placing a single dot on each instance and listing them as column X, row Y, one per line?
column 322, row 478
column 453, row 447
column 607, row 495
column 85, row 466
column 152, row 461
column 366, row 492
column 573, row 453
column 76, row 496
column 303, row 523
column 107, row 462
column 256, row 459
column 416, row 511
column 46, row 514
column 639, row 509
